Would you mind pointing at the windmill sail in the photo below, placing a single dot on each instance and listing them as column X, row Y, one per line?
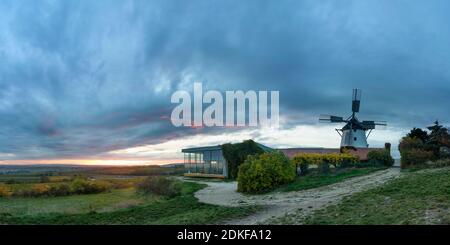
column 368, row 124
column 329, row 118
column 355, row 132
column 356, row 100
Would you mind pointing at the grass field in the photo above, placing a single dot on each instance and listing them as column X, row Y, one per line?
column 314, row 180
column 103, row 202
column 416, row 198
column 24, row 178
column 113, row 208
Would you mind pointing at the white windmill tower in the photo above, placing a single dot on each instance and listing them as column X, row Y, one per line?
column 355, row 132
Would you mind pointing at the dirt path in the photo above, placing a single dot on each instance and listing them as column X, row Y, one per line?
column 289, row 207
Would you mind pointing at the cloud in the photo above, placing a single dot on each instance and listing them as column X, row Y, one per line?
column 86, row 78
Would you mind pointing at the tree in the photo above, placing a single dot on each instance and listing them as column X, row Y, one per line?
column 419, row 134
column 439, row 135
column 419, row 146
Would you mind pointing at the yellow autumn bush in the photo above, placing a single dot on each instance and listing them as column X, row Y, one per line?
column 33, row 191
column 338, row 160
column 77, row 186
column 5, row 191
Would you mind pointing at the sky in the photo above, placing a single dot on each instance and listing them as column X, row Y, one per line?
column 90, row 82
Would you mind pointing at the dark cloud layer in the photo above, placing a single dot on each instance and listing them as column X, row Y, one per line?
column 80, row 78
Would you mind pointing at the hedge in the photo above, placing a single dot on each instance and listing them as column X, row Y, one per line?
column 338, row 160
column 414, row 152
column 415, row 157
column 380, row 157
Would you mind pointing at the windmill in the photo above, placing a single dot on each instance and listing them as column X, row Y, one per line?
column 355, row 132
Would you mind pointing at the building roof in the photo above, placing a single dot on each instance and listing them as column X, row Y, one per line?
column 218, row 147
column 203, row 148
column 264, row 148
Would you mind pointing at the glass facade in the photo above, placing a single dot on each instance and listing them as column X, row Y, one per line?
column 204, row 162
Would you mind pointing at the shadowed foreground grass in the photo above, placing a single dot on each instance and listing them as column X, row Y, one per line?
column 416, row 198
column 314, row 180
column 184, row 209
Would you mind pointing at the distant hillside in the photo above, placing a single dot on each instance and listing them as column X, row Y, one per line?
column 137, row 170
column 107, row 170
column 29, row 169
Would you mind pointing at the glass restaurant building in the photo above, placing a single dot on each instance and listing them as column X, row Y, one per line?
column 205, row 161
column 208, row 161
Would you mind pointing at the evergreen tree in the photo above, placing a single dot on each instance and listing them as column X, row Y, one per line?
column 439, row 135
column 419, row 134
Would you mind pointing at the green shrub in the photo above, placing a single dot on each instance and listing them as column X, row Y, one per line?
column 414, row 157
column 380, row 157
column 79, row 186
column 265, row 172
column 99, row 186
column 59, row 190
column 160, row 185
column 235, row 155
column 414, row 152
column 82, row 186
column 408, row 143
column 419, row 147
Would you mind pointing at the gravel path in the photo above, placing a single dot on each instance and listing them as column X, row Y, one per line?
column 289, row 207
